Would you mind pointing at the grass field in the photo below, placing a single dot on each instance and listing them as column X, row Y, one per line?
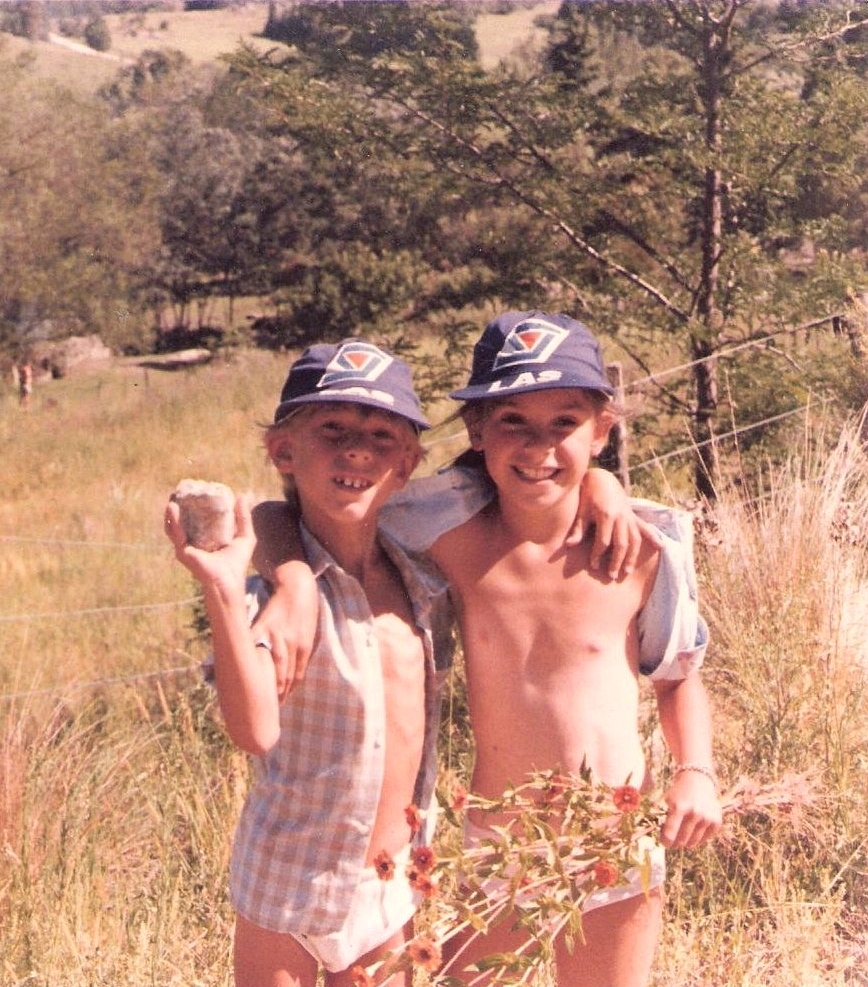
column 119, row 792
column 206, row 35
column 203, row 36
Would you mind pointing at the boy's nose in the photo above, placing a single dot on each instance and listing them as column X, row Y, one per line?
column 535, row 437
column 356, row 446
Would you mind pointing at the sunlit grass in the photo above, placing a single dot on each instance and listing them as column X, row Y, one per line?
column 119, row 792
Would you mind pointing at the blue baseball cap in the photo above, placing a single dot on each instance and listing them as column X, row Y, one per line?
column 533, row 351
column 353, row 371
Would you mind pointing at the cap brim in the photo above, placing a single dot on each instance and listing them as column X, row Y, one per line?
column 335, row 397
column 506, row 387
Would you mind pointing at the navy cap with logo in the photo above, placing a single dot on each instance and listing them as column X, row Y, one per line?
column 532, row 351
column 352, row 371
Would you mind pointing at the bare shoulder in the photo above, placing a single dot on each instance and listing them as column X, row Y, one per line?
column 464, row 539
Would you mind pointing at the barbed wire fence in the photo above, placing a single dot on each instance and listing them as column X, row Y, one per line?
column 439, row 437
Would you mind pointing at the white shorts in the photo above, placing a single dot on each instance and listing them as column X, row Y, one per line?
column 378, row 910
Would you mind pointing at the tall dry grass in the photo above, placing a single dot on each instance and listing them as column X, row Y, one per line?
column 119, row 791
column 783, row 899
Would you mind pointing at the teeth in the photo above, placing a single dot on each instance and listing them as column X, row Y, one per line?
column 536, row 474
column 352, row 484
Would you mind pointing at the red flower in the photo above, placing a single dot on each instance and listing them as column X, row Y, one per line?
column 361, row 977
column 459, row 798
column 605, row 873
column 424, row 953
column 414, row 818
column 422, row 882
column 385, row 866
column 423, row 858
column 626, row 798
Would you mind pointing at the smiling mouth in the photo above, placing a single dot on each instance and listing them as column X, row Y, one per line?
column 542, row 473
column 347, row 483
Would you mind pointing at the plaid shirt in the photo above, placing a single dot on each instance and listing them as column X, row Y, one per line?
column 303, row 835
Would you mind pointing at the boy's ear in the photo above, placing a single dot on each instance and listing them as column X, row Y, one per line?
column 279, row 447
column 602, row 428
column 473, row 423
column 410, row 461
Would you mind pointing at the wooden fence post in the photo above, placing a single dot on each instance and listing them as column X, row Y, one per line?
column 614, row 454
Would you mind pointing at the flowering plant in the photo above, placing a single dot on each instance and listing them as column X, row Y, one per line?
column 547, row 845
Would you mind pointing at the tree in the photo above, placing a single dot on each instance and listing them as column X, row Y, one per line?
column 76, row 216
column 655, row 200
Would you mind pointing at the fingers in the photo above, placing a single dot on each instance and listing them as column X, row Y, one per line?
column 290, row 664
column 613, row 539
column 618, row 541
column 649, row 533
column 694, row 815
column 173, row 527
column 302, row 657
column 283, row 670
column 616, row 545
column 577, row 532
column 688, row 831
column 243, row 516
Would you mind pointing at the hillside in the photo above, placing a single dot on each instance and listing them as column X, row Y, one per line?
column 205, row 35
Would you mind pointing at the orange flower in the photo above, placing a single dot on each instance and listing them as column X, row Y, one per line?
column 361, row 977
column 626, row 798
column 385, row 866
column 414, row 818
column 423, row 858
column 424, row 953
column 605, row 873
column 422, row 882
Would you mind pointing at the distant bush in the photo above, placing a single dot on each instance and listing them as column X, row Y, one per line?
column 183, row 338
column 97, row 35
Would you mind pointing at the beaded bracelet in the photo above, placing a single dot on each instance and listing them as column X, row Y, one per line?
column 701, row 769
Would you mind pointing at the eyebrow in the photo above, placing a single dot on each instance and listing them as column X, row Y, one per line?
column 570, row 403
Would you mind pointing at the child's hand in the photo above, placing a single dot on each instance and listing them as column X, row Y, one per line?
column 695, row 815
column 288, row 624
column 604, row 505
column 224, row 569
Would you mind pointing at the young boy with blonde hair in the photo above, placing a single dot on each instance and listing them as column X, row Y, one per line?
column 320, row 858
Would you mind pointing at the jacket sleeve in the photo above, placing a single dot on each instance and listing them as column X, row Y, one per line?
column 429, row 507
column 673, row 637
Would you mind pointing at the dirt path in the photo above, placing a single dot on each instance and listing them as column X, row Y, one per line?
column 81, row 49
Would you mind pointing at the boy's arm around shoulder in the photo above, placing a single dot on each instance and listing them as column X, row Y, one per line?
column 430, row 507
column 288, row 621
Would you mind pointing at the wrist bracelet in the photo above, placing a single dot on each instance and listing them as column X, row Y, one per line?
column 701, row 769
